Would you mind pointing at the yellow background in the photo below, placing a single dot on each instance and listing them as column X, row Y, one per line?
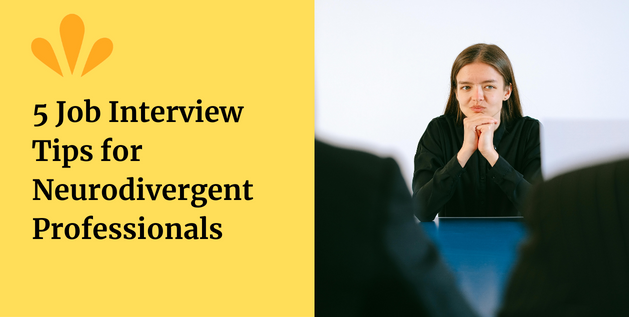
column 258, row 54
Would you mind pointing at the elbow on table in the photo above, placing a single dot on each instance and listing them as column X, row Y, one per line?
column 424, row 217
column 420, row 211
column 422, row 214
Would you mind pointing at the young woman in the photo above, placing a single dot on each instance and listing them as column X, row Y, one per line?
column 479, row 158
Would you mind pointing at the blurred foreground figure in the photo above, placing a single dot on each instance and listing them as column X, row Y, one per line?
column 576, row 260
column 371, row 257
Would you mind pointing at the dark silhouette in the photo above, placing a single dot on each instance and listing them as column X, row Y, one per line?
column 576, row 259
column 371, row 257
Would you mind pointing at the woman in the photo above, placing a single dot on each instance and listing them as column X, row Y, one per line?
column 480, row 157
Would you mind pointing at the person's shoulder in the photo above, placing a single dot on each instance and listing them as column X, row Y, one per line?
column 325, row 150
column 346, row 175
column 440, row 128
column 442, row 122
column 581, row 182
column 346, row 160
column 524, row 124
column 444, row 119
column 617, row 169
column 527, row 121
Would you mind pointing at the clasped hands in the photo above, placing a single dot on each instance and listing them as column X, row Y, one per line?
column 478, row 134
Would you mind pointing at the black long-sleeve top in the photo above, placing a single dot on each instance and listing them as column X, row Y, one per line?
column 441, row 186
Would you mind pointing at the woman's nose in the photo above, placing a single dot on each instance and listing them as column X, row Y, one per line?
column 478, row 94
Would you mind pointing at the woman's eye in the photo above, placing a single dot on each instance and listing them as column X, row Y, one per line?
column 490, row 87
column 465, row 88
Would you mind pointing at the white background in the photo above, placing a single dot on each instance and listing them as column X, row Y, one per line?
column 382, row 67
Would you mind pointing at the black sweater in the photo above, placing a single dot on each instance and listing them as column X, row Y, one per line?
column 441, row 185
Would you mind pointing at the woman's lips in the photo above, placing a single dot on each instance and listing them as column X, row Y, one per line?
column 478, row 108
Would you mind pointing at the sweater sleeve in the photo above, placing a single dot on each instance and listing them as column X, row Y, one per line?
column 517, row 184
column 435, row 177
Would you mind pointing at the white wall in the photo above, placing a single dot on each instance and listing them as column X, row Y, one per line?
column 588, row 142
column 382, row 67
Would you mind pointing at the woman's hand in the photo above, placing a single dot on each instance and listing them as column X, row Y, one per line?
column 486, row 142
column 478, row 133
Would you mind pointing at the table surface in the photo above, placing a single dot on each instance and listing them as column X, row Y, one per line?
column 481, row 252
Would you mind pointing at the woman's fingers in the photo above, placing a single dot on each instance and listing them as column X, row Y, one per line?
column 481, row 120
column 483, row 127
column 470, row 137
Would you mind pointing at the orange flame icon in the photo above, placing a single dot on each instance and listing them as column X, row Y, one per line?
column 72, row 31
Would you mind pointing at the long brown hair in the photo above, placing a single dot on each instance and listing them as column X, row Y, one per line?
column 494, row 56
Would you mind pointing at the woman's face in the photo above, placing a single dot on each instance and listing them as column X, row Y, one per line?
column 481, row 90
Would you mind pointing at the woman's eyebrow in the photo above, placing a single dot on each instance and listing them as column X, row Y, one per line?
column 470, row 83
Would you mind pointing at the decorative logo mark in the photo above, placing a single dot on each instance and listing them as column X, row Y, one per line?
column 72, row 31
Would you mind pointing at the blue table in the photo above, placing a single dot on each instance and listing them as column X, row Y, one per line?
column 481, row 253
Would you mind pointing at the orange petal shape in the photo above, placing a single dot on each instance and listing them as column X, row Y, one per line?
column 44, row 52
column 100, row 51
column 72, row 30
